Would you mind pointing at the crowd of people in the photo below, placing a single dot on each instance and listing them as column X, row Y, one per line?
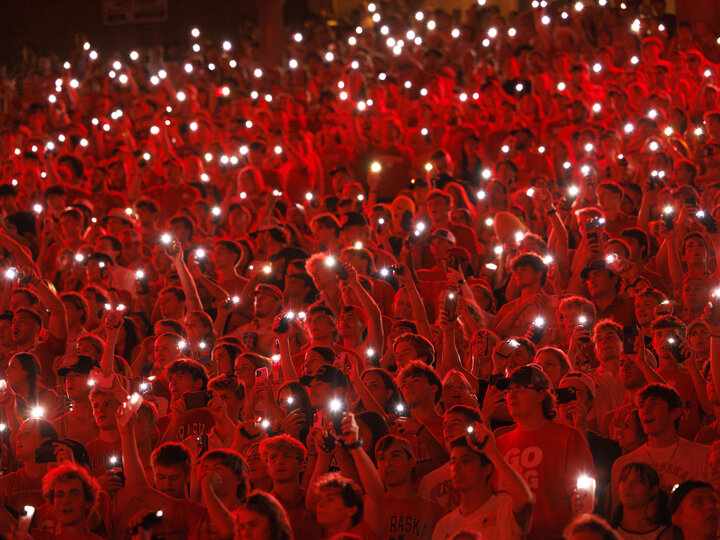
column 432, row 277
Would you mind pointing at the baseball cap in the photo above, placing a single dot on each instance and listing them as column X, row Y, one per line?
column 445, row 234
column 267, row 224
column 118, row 213
column 598, row 264
column 328, row 374
column 358, row 312
column 82, row 364
column 582, row 378
column 530, row 376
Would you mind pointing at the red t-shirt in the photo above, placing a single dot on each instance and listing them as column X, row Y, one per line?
column 193, row 423
column 100, row 451
column 412, row 519
column 550, row 460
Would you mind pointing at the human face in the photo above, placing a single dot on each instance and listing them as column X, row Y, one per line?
column 376, row 386
column 266, row 305
column 438, row 210
column 404, row 354
column 104, row 408
column 526, row 276
column 15, row 373
column 330, row 507
column 523, row 401
column 660, row 339
column 698, row 514
column 69, row 503
column 194, row 328
column 24, row 328
column 320, row 325
column 600, row 282
column 76, row 386
column 170, row 306
column 320, row 393
column 180, row 383
column 454, row 425
column 466, row 469
column 165, row 350
column 245, row 371
column 656, row 416
column 696, row 251
column 627, row 434
column 402, row 308
column 608, row 344
column 699, row 339
column 456, row 392
column 282, row 464
column 251, row 525
column 416, row 390
column 171, row 480
column 630, row 375
column 394, row 466
column 225, row 482
column 349, row 324
column 645, row 309
column 696, row 294
column 222, row 360
column 550, row 364
column 27, row 440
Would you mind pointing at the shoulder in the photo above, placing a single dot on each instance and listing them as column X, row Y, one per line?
column 692, row 446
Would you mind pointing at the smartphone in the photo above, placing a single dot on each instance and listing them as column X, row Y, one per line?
column 451, row 302
column 565, row 395
column 674, row 346
column 537, row 330
column 337, row 411
column 669, row 219
column 197, row 400
column 291, row 404
column 397, row 270
column 115, row 465
column 202, row 443
column 593, row 237
column 24, row 522
column 45, row 453
column 630, row 333
column 261, row 374
column 401, row 410
column 482, row 343
column 452, row 262
column 148, row 521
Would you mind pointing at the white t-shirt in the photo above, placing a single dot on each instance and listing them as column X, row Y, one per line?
column 684, row 460
column 437, row 486
column 494, row 520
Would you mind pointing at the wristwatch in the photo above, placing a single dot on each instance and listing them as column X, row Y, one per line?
column 356, row 444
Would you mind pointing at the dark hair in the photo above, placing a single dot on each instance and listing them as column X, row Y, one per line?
column 648, row 476
column 469, row 413
column 79, row 302
column 116, row 244
column 640, row 236
column 417, row 368
column 592, row 523
column 172, row 289
column 268, row 506
column 31, row 365
column 300, row 392
column 236, row 463
column 661, row 391
column 350, row 492
column 195, row 369
column 462, row 442
column 226, row 381
column 422, row 345
column 533, row 261
column 171, row 453
column 377, row 424
column 395, row 398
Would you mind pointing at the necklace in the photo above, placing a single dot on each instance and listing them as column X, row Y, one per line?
column 669, row 460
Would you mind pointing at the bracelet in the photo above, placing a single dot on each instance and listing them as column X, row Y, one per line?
column 356, row 444
column 552, row 211
column 715, row 335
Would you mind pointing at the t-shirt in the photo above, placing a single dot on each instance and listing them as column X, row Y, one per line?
column 301, row 519
column 550, row 460
column 193, row 422
column 100, row 451
column 609, row 393
column 437, row 486
column 681, row 461
column 18, row 489
column 412, row 519
column 494, row 519
column 82, row 431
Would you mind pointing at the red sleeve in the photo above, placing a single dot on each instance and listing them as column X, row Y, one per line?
column 579, row 460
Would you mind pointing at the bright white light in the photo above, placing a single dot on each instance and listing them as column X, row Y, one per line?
column 298, row 37
column 492, row 32
column 629, row 128
column 634, row 60
column 419, row 16
column 180, row 96
column 431, row 25
column 545, row 20
column 226, row 45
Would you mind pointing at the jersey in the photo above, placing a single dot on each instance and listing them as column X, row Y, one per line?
column 412, row 519
column 437, row 486
column 550, row 460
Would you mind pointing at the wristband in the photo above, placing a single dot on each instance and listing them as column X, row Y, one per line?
column 714, row 335
column 356, row 444
column 552, row 211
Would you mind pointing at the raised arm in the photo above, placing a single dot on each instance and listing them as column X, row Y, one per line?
column 375, row 328
column 57, row 326
column 192, row 297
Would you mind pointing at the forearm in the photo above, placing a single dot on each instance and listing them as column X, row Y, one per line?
column 450, row 355
column 219, row 515
column 375, row 329
column 375, row 512
column 418, row 309
column 188, row 284
column 288, row 367
column 515, row 486
column 132, row 465
column 108, row 357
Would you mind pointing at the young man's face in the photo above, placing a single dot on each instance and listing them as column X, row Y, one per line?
column 405, row 353
column 608, row 344
column 223, row 479
column 76, row 386
column 171, row 480
column 698, row 514
column 526, row 276
column 696, row 251
column 104, row 407
column 69, row 503
column 330, row 507
column 395, row 466
column 656, row 416
column 27, row 440
column 416, row 389
column 523, row 401
column 696, row 294
column 165, row 350
column 181, row 382
column 454, row 425
column 282, row 464
column 630, row 374
column 600, row 282
column 466, row 469
column 660, row 343
column 645, row 309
